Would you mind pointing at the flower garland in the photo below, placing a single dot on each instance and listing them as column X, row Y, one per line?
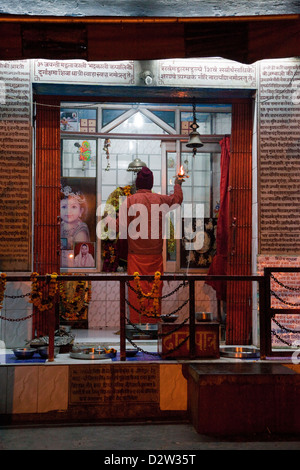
column 171, row 241
column 2, row 288
column 110, row 251
column 153, row 294
column 106, row 150
column 127, row 190
column 110, row 257
column 36, row 297
column 75, row 307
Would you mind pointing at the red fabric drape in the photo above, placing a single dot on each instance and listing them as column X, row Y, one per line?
column 219, row 262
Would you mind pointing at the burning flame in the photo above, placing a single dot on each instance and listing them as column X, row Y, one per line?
column 182, row 174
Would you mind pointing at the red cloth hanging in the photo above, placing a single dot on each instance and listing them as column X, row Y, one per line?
column 219, row 262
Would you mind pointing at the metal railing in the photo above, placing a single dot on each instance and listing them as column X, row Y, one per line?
column 266, row 313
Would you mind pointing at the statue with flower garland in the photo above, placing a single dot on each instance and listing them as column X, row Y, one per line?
column 114, row 251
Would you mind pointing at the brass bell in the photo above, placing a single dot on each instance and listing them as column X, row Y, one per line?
column 194, row 137
column 136, row 165
column 194, row 141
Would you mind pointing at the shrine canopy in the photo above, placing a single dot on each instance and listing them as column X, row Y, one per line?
column 244, row 31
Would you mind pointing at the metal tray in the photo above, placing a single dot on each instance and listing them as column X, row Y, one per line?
column 239, row 352
column 91, row 354
column 144, row 331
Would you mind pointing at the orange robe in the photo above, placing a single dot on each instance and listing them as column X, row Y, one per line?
column 145, row 251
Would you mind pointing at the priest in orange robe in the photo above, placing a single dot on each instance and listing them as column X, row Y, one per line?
column 141, row 220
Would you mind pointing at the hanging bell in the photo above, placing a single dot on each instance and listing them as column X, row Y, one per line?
column 136, row 165
column 194, row 137
column 194, row 141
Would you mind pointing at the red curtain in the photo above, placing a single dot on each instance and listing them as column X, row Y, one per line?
column 219, row 262
column 47, row 196
column 239, row 293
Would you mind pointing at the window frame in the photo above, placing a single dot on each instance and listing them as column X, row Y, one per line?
column 172, row 139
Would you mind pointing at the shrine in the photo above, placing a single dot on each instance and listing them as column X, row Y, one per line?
column 149, row 238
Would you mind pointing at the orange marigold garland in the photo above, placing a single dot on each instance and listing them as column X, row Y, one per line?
column 153, row 294
column 75, row 307
column 36, row 296
column 2, row 288
column 127, row 190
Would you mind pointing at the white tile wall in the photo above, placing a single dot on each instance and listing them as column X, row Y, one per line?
column 104, row 309
column 16, row 333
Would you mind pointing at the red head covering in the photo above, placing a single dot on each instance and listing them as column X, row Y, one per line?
column 144, row 179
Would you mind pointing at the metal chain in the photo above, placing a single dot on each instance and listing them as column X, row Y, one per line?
column 284, row 327
column 168, row 314
column 183, row 284
column 17, row 296
column 282, row 340
column 141, row 349
column 176, row 328
column 156, row 354
column 135, row 326
column 284, row 301
column 17, row 319
column 21, row 296
column 282, row 285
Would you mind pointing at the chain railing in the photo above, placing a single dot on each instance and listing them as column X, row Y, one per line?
column 267, row 313
column 270, row 312
column 123, row 279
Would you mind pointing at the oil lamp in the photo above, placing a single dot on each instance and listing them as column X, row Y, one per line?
column 181, row 174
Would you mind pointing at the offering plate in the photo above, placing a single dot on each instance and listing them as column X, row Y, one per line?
column 169, row 318
column 24, row 353
column 93, row 353
column 239, row 352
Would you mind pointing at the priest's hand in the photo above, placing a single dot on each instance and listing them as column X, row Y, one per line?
column 178, row 180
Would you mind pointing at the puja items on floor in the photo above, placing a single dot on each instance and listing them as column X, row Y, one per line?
column 62, row 339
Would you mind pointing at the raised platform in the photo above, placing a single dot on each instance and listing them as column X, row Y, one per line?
column 92, row 391
column 219, row 397
column 244, row 398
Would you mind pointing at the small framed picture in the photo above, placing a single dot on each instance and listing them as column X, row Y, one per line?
column 84, row 255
